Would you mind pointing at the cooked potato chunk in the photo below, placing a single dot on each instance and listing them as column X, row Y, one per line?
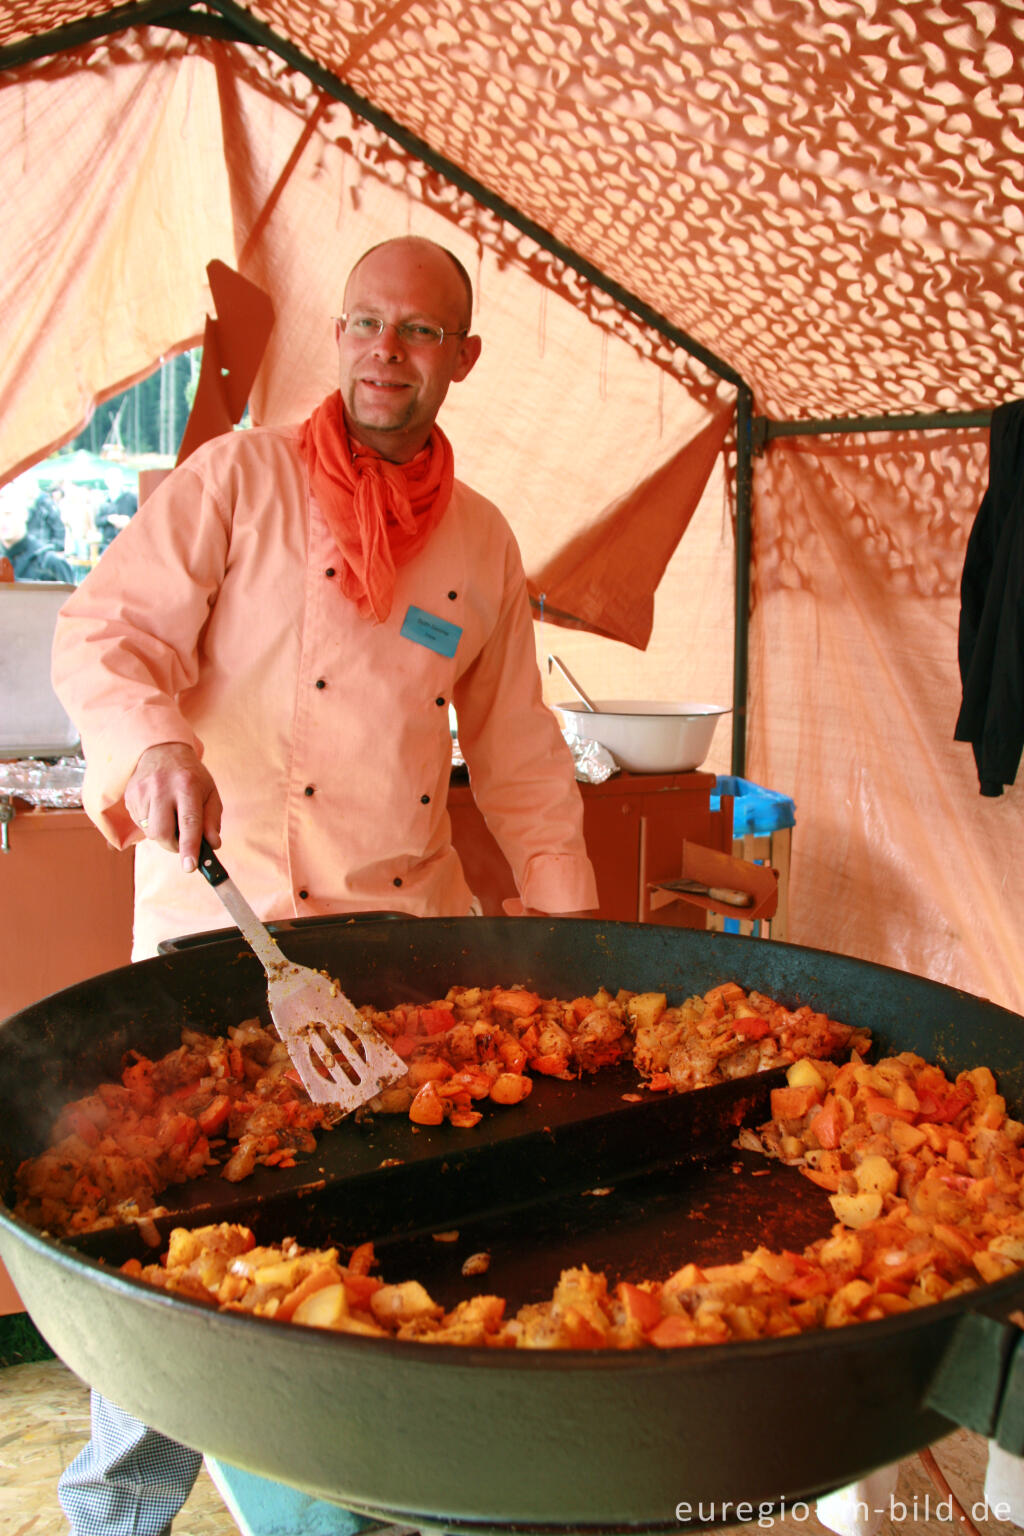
column 876, row 1173
column 857, row 1210
column 804, row 1074
column 645, row 1008
column 324, row 1308
column 403, row 1303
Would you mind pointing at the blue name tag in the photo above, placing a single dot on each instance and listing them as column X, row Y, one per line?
column 426, row 629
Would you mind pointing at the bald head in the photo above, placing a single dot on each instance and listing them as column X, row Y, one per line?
column 429, row 256
column 392, row 382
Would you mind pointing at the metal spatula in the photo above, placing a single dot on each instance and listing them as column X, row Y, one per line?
column 340, row 1058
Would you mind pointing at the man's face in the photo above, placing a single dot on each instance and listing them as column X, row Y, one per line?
column 392, row 391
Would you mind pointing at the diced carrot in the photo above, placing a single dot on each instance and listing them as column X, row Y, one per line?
column 878, row 1104
column 823, row 1179
column 328, row 1274
column 214, row 1115
column 943, row 1107
column 359, row 1288
column 958, row 1242
column 753, row 1028
column 580, row 1332
column 659, row 1082
column 361, row 1260
column 803, row 1287
column 437, row 1020
column 793, row 1103
column 405, row 1044
column 673, row 1332
column 641, row 1307
column 829, row 1123
column 891, row 1287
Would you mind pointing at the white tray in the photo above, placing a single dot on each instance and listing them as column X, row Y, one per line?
column 33, row 722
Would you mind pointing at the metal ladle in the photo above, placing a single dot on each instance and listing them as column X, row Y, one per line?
column 573, row 684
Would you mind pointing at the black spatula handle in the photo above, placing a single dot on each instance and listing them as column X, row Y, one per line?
column 210, row 866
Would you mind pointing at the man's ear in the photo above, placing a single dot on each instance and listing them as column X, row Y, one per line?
column 470, row 348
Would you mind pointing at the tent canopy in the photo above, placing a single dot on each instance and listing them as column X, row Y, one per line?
column 809, row 208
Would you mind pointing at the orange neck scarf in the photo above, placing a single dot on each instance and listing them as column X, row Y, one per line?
column 379, row 514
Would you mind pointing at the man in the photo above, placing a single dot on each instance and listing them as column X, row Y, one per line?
column 268, row 652
column 32, row 558
column 45, row 522
column 115, row 513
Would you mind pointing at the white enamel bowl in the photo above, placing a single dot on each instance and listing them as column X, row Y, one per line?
column 646, row 735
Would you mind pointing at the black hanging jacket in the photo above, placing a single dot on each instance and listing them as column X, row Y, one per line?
column 991, row 642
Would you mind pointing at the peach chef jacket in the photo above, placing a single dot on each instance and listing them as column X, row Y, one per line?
column 214, row 618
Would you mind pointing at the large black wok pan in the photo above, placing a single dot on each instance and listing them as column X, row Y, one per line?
column 488, row 1440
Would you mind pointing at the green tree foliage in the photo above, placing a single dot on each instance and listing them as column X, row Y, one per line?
column 150, row 417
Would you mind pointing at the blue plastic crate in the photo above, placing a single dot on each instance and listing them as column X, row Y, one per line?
column 756, row 810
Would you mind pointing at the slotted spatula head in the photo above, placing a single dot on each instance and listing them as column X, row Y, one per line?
column 340, row 1058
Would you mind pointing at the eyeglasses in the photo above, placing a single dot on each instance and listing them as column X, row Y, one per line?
column 413, row 333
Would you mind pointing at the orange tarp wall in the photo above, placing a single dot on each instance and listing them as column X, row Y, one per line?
column 880, row 278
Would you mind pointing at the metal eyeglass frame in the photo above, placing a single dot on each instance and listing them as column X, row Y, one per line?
column 407, row 331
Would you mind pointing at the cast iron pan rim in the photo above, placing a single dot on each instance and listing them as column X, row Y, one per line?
column 229, row 939
column 994, row 1299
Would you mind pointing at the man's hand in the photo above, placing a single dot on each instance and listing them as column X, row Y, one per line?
column 172, row 797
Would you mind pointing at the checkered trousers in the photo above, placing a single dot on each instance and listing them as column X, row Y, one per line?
column 129, row 1480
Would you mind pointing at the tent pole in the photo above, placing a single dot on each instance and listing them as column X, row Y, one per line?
column 250, row 30
column 741, row 606
column 91, row 29
column 764, row 429
column 230, row 22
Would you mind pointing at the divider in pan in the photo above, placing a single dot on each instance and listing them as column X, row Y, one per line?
column 522, row 1186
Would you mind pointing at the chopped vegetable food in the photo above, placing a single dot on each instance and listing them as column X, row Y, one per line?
column 928, row 1204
